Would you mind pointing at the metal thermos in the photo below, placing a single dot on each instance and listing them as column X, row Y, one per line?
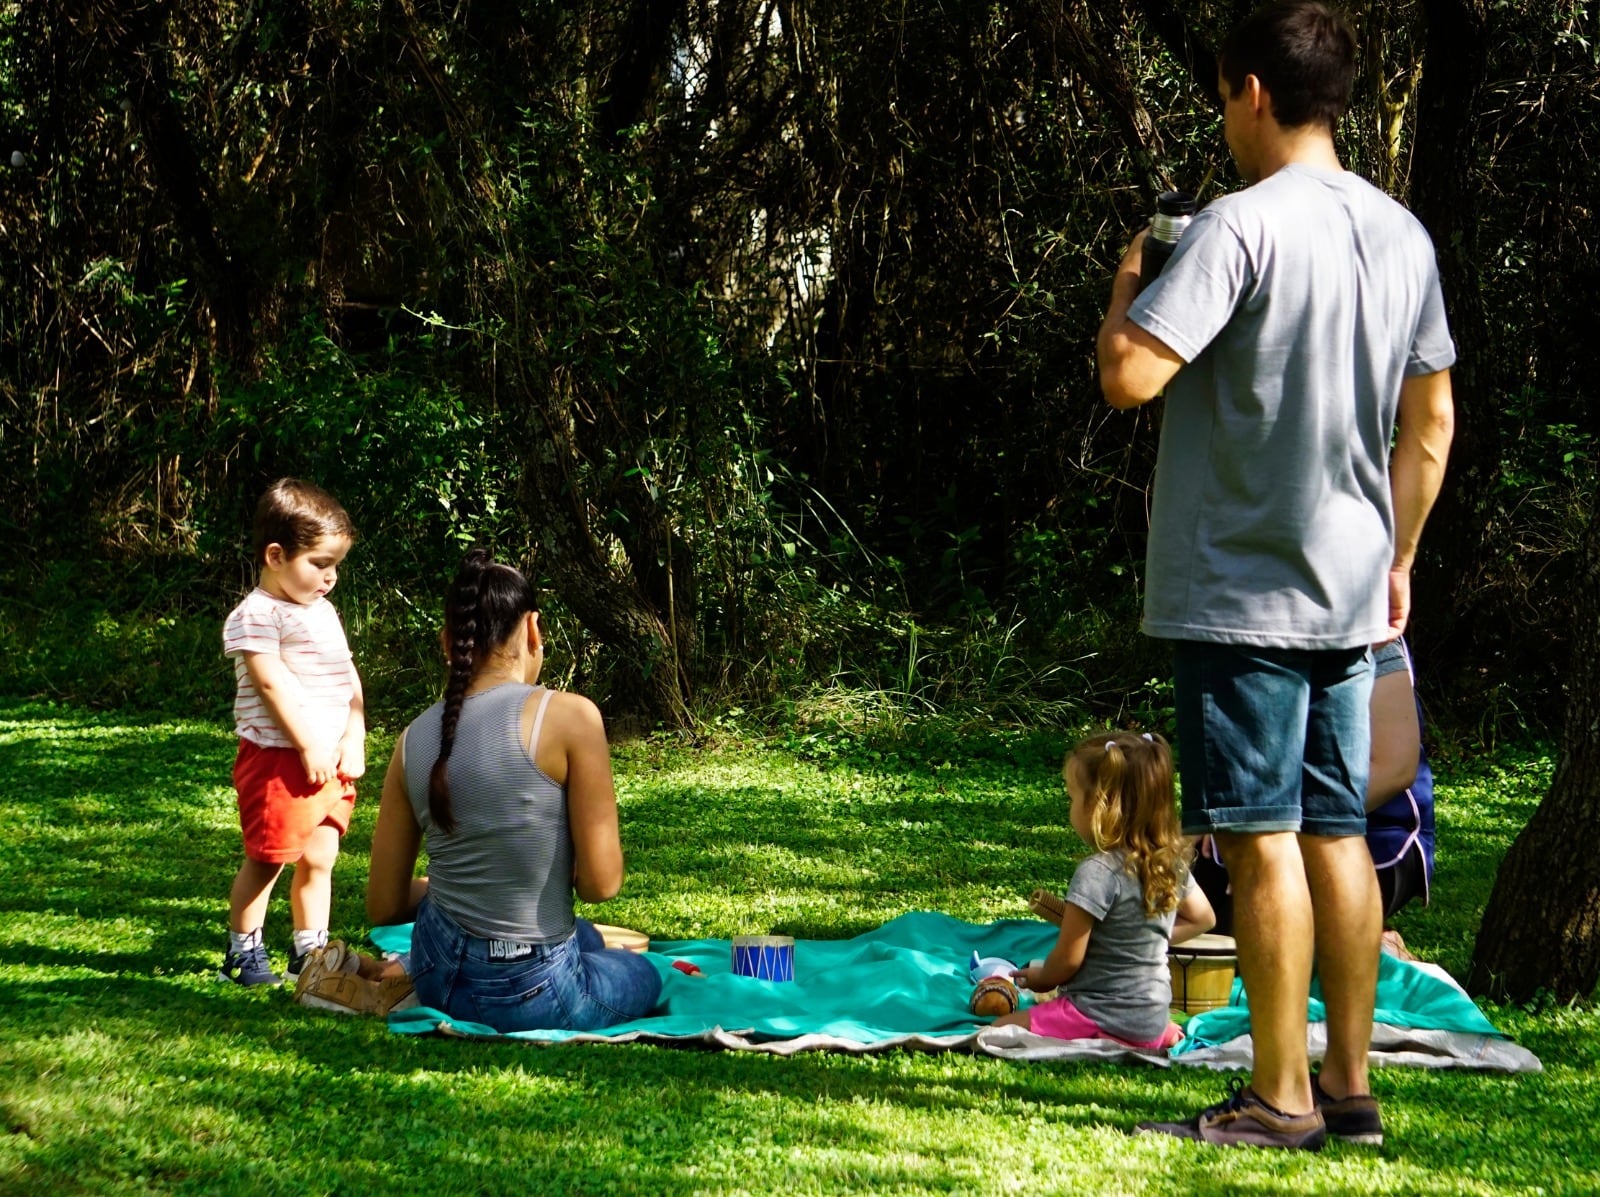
column 1174, row 210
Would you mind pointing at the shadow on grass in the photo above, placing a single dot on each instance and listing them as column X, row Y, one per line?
column 623, row 1118
column 632, row 1118
column 131, row 828
column 330, row 1046
column 891, row 849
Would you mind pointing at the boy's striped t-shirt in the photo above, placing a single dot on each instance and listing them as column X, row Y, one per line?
column 310, row 641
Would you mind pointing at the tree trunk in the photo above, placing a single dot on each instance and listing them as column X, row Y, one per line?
column 629, row 82
column 182, row 180
column 1444, row 190
column 607, row 601
column 663, row 568
column 1541, row 930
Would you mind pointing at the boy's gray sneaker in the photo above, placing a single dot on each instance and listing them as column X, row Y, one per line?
column 1244, row 1120
column 249, row 967
column 297, row 963
column 1353, row 1119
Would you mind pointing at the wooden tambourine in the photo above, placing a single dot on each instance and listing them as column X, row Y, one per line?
column 623, row 937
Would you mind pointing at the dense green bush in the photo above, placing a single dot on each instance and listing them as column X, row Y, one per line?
column 762, row 337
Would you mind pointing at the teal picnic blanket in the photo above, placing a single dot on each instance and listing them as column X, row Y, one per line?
column 908, row 977
column 1407, row 997
column 906, row 984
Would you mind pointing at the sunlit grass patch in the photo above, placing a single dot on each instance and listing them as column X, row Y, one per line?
column 125, row 1066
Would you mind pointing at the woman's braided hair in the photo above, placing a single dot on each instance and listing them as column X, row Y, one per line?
column 481, row 611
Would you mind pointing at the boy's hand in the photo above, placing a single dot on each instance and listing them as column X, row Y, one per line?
column 321, row 765
column 352, row 757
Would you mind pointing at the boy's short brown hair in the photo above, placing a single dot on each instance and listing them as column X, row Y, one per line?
column 296, row 515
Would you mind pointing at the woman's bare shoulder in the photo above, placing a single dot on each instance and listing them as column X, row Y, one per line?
column 575, row 711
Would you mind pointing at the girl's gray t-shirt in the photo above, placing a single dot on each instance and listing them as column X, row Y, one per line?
column 1123, row 983
column 1299, row 305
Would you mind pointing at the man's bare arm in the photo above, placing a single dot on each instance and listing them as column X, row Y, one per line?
column 1135, row 367
column 1416, row 472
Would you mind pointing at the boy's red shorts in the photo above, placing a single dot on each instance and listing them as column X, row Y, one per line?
column 279, row 808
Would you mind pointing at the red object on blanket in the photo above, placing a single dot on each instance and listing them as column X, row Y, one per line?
column 688, row 968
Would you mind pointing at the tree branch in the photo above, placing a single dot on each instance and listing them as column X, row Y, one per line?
column 1065, row 38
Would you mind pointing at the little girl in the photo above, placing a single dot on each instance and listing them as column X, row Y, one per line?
column 1125, row 904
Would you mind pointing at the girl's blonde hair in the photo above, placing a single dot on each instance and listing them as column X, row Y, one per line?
column 1126, row 780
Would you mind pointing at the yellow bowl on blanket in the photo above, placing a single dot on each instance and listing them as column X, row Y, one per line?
column 1202, row 972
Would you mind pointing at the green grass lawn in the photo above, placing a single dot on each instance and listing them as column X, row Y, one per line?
column 126, row 1067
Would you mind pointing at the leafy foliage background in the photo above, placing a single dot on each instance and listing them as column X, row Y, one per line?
column 761, row 330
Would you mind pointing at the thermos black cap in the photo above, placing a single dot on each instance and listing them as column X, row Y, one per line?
column 1176, row 203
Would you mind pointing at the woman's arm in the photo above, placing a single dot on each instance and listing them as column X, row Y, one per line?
column 1195, row 916
column 392, row 893
column 573, row 750
column 1066, row 958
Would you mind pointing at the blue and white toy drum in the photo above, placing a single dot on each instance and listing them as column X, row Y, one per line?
column 765, row 957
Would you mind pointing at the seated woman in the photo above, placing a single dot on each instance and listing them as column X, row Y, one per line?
column 508, row 784
column 1399, row 791
column 1399, row 801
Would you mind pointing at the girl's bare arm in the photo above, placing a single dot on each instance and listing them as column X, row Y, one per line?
column 1195, row 916
column 1066, row 958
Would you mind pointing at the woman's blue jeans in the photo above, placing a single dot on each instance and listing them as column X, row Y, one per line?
column 576, row 985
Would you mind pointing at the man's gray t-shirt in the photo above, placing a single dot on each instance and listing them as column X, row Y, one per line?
column 1122, row 984
column 1299, row 305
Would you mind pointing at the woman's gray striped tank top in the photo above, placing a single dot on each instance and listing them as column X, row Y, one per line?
column 506, row 870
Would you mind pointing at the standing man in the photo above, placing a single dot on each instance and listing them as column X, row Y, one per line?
column 1296, row 321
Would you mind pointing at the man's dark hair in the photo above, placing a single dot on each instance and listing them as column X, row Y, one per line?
column 1303, row 53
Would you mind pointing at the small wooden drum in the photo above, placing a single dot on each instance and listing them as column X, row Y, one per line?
column 1202, row 972
column 623, row 937
column 765, row 957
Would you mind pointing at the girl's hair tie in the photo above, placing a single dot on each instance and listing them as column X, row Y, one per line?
column 1110, row 744
column 1149, row 737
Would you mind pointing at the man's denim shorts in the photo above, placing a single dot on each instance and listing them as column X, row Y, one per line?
column 1273, row 739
